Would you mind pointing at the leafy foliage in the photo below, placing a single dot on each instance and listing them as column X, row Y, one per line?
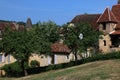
column 17, row 43
column 12, row 69
column 34, row 63
column 21, row 44
column 21, row 23
column 71, row 37
column 44, row 34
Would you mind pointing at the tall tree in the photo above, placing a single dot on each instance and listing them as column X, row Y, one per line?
column 21, row 44
column 18, row 44
column 71, row 37
column 45, row 34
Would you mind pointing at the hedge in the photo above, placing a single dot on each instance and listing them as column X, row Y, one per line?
column 97, row 57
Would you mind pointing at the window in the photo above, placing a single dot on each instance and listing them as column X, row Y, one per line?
column 104, row 41
column 0, row 57
column 104, row 26
column 67, row 57
column 3, row 58
column 8, row 58
column 0, row 34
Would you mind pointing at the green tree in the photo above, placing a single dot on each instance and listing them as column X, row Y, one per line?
column 45, row 34
column 21, row 23
column 19, row 45
column 71, row 37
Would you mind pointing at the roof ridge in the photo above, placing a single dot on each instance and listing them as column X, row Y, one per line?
column 88, row 14
column 109, row 16
column 114, row 16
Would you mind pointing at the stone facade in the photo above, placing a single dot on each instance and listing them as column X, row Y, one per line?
column 6, row 59
column 109, row 24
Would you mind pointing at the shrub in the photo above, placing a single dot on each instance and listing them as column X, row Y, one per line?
column 50, row 67
column 34, row 63
column 12, row 69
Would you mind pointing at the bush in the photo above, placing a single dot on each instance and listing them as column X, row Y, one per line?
column 97, row 57
column 50, row 67
column 12, row 69
column 34, row 63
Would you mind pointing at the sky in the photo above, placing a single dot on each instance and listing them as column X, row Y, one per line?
column 58, row 11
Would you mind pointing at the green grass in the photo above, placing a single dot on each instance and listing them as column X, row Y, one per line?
column 100, row 70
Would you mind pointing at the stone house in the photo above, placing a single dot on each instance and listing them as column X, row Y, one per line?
column 61, row 54
column 109, row 23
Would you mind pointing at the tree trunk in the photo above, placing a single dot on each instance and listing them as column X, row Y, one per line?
column 23, row 68
column 75, row 53
column 86, row 53
column 75, row 56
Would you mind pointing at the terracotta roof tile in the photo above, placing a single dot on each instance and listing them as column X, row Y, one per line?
column 89, row 18
column 116, row 11
column 3, row 25
column 107, row 16
column 60, row 48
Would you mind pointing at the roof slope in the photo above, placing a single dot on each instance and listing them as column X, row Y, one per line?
column 60, row 48
column 3, row 25
column 107, row 16
column 116, row 11
column 89, row 18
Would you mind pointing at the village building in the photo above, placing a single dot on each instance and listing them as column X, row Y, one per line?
column 108, row 22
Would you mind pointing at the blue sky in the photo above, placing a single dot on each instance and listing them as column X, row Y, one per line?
column 59, row 11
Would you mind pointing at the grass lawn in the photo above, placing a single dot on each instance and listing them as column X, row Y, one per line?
column 100, row 70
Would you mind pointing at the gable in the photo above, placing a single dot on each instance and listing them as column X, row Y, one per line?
column 107, row 16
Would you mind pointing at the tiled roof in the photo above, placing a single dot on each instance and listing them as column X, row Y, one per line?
column 116, row 11
column 89, row 18
column 3, row 25
column 60, row 48
column 107, row 16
